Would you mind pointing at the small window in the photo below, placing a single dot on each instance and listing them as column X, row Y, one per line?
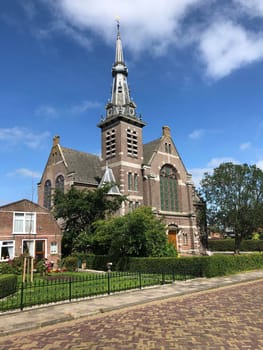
column 135, row 182
column 53, row 248
column 60, row 183
column 47, row 194
column 129, row 181
column 7, row 250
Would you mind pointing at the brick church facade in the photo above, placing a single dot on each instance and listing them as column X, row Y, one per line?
column 150, row 174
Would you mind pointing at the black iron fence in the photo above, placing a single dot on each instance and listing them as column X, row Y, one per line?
column 65, row 288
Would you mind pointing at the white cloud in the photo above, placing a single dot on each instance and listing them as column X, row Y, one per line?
column 84, row 106
column 66, row 29
column 198, row 173
column 17, row 135
column 253, row 7
column 51, row 112
column 215, row 162
column 29, row 8
column 47, row 111
column 226, row 46
column 244, row 146
column 197, row 134
column 26, row 173
column 223, row 43
column 145, row 26
column 259, row 164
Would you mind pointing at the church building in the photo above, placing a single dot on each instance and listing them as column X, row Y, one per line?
column 150, row 174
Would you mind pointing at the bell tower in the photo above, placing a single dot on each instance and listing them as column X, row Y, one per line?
column 121, row 133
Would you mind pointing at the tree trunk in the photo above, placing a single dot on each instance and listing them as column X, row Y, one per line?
column 238, row 239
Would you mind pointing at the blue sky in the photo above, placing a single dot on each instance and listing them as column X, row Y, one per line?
column 194, row 65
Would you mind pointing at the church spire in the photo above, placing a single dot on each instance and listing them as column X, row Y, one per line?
column 119, row 53
column 120, row 105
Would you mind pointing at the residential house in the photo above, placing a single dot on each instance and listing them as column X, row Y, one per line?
column 28, row 228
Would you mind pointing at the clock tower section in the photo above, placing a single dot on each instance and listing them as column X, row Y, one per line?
column 121, row 134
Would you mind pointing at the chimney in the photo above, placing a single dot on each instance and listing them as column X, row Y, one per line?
column 56, row 140
column 166, row 131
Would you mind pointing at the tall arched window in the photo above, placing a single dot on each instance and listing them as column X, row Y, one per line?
column 47, row 194
column 168, row 188
column 60, row 183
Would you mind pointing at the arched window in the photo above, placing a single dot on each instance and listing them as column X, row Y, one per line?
column 47, row 194
column 168, row 188
column 60, row 183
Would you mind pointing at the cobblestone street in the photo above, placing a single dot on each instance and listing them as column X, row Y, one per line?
column 224, row 318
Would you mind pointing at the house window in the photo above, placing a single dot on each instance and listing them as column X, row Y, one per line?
column 60, row 183
column 24, row 223
column 53, row 248
column 7, row 250
column 47, row 194
column 129, row 181
column 168, row 189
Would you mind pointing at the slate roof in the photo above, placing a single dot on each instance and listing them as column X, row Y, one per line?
column 85, row 166
column 149, row 149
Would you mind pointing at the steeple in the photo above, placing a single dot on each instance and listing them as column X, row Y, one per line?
column 120, row 106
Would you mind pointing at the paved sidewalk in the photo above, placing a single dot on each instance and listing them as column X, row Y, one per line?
column 57, row 313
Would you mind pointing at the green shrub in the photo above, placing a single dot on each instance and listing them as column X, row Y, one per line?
column 202, row 266
column 70, row 263
column 6, row 268
column 8, row 285
column 222, row 245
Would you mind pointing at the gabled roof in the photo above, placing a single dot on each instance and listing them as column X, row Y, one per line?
column 149, row 149
column 23, row 205
column 85, row 166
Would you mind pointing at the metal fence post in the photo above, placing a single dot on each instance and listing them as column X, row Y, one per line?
column 70, row 288
column 108, row 283
column 22, row 297
column 140, row 279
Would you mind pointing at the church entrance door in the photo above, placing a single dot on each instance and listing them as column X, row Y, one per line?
column 172, row 238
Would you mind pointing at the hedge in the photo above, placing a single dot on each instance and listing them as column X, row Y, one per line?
column 229, row 245
column 203, row 266
column 8, row 285
column 195, row 266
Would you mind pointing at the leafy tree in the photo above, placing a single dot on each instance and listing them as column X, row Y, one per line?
column 234, row 196
column 139, row 233
column 78, row 210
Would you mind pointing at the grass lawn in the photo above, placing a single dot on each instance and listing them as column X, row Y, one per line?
column 68, row 286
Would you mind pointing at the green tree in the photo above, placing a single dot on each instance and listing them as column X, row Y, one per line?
column 78, row 210
column 139, row 233
column 234, row 197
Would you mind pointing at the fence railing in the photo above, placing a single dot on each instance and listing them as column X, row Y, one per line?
column 57, row 288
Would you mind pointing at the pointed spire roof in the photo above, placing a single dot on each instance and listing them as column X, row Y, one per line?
column 121, row 106
column 108, row 178
column 119, row 53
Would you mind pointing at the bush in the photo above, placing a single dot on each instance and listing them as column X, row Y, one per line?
column 203, row 266
column 222, row 245
column 70, row 263
column 6, row 268
column 8, row 285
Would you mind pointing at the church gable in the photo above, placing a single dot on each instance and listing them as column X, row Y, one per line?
column 163, row 151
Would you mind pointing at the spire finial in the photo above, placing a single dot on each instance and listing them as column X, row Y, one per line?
column 118, row 25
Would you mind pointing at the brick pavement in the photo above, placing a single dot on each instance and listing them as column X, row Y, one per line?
column 224, row 318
